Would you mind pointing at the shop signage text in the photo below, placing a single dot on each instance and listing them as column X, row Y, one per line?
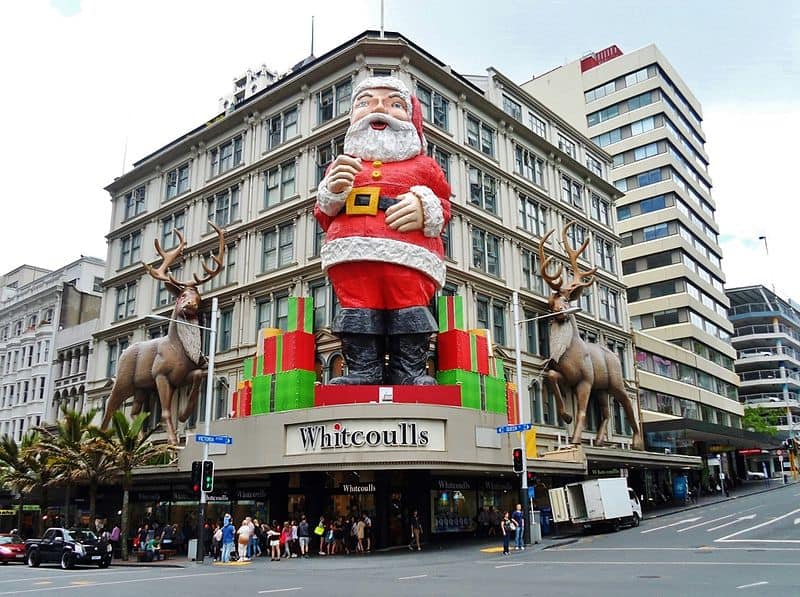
column 450, row 485
column 365, row 434
column 358, row 487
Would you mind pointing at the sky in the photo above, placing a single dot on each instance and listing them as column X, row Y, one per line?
column 91, row 86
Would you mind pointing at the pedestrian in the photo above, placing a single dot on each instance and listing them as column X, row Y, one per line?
column 274, row 542
column 416, row 531
column 286, row 540
column 303, row 536
column 319, row 531
column 519, row 520
column 216, row 542
column 167, row 536
column 506, row 528
column 360, row 526
column 255, row 539
column 368, row 532
column 228, row 532
column 244, row 540
column 144, row 530
column 114, row 538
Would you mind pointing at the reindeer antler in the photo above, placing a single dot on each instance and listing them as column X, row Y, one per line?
column 168, row 258
column 217, row 259
column 577, row 285
column 556, row 280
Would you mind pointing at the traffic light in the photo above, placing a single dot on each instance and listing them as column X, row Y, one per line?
column 208, row 475
column 197, row 475
column 517, row 460
column 531, row 479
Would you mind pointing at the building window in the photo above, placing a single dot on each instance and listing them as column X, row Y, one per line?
column 567, row 146
column 130, row 249
column 491, row 314
column 609, row 304
column 447, row 235
column 532, row 216
column 277, row 247
column 601, row 210
column 480, row 136
column 226, row 156
column 178, row 181
column 225, row 331
column 442, row 158
column 228, row 274
column 326, row 154
column 529, row 165
column 599, row 92
column 134, row 202
column 334, row 101
column 585, row 301
column 512, row 108
column 221, row 392
column 280, row 184
column 115, row 348
column 571, row 191
column 126, row 301
column 576, row 235
column 97, row 284
column 538, row 125
column 319, row 239
column 435, row 107
column 223, row 208
column 485, row 251
column 482, row 190
column 531, row 274
column 281, row 127
column 163, row 295
column 169, row 226
column 263, row 315
column 605, row 255
column 594, row 165
column 326, row 305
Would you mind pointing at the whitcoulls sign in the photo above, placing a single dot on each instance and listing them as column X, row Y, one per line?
column 355, row 435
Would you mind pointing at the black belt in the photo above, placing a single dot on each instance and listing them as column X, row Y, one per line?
column 385, row 203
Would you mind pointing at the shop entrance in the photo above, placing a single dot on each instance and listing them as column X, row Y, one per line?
column 352, row 504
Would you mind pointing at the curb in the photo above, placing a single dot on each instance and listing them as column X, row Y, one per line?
column 719, row 501
column 144, row 565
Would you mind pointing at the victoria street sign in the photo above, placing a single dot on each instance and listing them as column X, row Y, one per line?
column 514, row 428
column 214, row 439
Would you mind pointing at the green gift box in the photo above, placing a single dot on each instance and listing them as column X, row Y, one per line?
column 495, row 392
column 470, row 385
column 301, row 314
column 262, row 401
column 451, row 313
column 247, row 369
column 294, row 389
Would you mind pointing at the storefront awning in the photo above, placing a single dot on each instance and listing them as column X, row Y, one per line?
column 691, row 430
column 614, row 457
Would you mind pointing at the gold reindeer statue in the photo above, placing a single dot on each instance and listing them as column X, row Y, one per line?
column 584, row 368
column 173, row 361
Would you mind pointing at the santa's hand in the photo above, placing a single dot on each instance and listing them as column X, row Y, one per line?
column 406, row 214
column 342, row 174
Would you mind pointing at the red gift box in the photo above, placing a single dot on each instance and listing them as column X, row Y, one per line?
column 453, row 349
column 298, row 351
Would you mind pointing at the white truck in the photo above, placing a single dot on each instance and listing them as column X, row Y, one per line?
column 598, row 502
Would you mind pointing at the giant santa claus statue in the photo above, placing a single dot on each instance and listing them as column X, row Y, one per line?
column 383, row 205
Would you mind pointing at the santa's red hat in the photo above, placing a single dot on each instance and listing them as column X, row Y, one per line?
column 414, row 106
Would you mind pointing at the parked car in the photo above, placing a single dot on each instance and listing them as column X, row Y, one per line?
column 12, row 548
column 68, row 547
column 755, row 476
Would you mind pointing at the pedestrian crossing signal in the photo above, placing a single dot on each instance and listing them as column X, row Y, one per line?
column 517, row 457
column 208, row 475
column 197, row 473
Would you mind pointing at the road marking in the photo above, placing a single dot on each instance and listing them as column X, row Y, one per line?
column 59, row 572
column 280, row 590
column 699, row 524
column 412, row 577
column 674, row 524
column 705, row 547
column 510, row 565
column 755, row 584
column 44, row 582
column 727, row 538
column 797, row 520
column 114, row 582
column 719, row 526
column 539, row 562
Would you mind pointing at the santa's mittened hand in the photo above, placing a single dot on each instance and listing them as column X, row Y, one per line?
column 406, row 214
column 342, row 174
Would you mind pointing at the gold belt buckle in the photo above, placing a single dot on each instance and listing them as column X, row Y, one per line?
column 363, row 201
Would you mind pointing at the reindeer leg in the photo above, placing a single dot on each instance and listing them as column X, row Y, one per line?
column 602, row 427
column 582, row 392
column 114, row 402
column 165, row 391
column 196, row 377
column 621, row 396
column 554, row 379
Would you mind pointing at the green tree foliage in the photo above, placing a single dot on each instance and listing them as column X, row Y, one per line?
column 760, row 420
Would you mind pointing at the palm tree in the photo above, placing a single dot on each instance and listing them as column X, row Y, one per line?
column 63, row 445
column 93, row 466
column 15, row 468
column 40, row 471
column 129, row 447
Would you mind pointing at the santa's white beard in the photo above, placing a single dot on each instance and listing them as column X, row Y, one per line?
column 398, row 141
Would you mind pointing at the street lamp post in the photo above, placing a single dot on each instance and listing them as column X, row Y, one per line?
column 212, row 330
column 518, row 342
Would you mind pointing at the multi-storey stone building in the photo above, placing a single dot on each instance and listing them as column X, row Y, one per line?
column 254, row 170
column 637, row 107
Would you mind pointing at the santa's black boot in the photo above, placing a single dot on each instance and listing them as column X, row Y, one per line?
column 361, row 332
column 409, row 340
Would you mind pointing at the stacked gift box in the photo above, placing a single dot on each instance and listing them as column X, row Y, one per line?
column 465, row 358
column 282, row 374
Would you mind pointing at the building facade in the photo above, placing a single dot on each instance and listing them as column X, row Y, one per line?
column 637, row 107
column 255, row 171
column 38, row 307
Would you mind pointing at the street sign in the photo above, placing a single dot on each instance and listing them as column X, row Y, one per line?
column 531, row 493
column 514, row 428
column 213, row 439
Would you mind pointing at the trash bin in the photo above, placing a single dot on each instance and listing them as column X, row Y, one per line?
column 536, row 526
column 547, row 521
column 192, row 549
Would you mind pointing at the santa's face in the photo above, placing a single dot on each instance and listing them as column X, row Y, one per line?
column 381, row 128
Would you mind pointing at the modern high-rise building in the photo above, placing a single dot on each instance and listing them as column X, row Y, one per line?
column 636, row 107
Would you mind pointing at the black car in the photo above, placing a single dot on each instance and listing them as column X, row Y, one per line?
column 68, row 547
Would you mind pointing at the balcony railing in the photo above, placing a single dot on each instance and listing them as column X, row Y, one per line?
column 767, row 352
column 763, row 308
column 773, row 398
column 769, row 375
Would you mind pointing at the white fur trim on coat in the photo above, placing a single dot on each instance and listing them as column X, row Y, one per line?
column 329, row 203
column 360, row 248
column 432, row 213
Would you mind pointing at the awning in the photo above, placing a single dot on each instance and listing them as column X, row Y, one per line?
column 711, row 433
column 615, row 457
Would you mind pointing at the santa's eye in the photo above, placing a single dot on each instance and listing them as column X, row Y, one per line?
column 399, row 105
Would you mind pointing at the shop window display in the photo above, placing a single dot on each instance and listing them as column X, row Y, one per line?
column 453, row 510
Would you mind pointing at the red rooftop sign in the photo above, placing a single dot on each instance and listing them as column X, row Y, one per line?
column 597, row 58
